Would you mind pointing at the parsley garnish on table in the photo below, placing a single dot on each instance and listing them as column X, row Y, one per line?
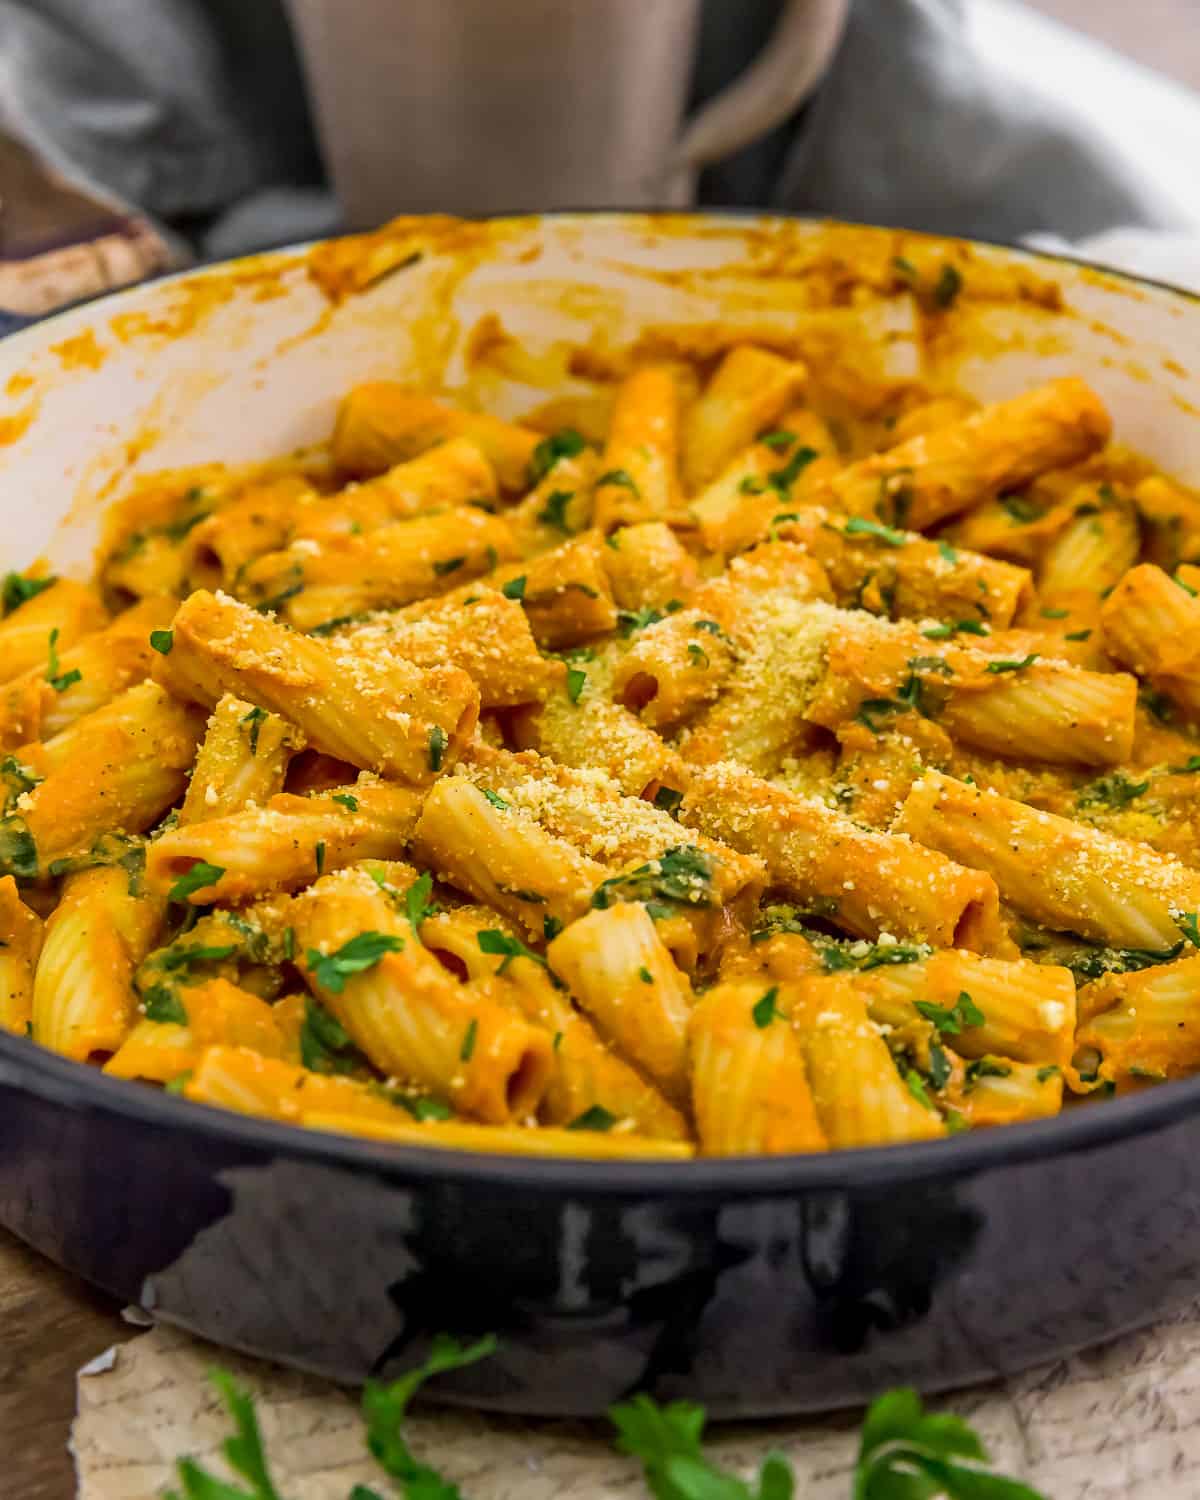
column 905, row 1452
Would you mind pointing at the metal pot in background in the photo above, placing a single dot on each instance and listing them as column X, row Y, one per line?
column 489, row 106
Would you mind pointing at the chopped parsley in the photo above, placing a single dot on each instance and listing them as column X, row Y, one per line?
column 423, row 1108
column 493, row 941
column 331, row 970
column 554, row 512
column 765, row 1010
column 1055, row 614
column 319, row 856
column 200, row 876
column 437, row 747
column 871, row 956
column 1051, row 1070
column 778, row 439
column 595, row 1118
column 566, row 443
column 697, row 655
column 781, row 480
column 576, row 682
column 551, row 927
column 514, row 588
column 256, row 718
column 985, row 1067
column 346, row 800
column 645, row 975
column 59, row 681
column 622, row 479
column 668, row 799
column 1012, row 666
column 629, row 621
column 951, row 1020
column 161, row 1003
column 1094, row 962
column 467, row 1050
column 1189, row 768
column 1021, row 512
column 495, row 799
column 947, row 286
column 325, row 1045
column 681, row 874
column 17, row 589
column 447, row 565
column 916, row 1087
column 1112, row 791
column 1187, row 923
column 162, row 641
column 959, row 627
column 947, row 552
column 863, row 526
column 418, row 907
column 1077, row 635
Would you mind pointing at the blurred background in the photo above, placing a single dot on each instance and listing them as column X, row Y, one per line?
column 150, row 134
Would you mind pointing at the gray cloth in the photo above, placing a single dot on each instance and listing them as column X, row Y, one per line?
column 194, row 110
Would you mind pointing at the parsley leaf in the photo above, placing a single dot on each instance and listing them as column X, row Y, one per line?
column 765, row 1010
column 959, row 627
column 630, row 620
column 437, row 747
column 346, row 800
column 331, row 970
column 595, row 1118
column 447, row 565
column 781, row 480
column 514, row 588
column 17, row 589
column 947, row 286
column 495, row 799
column 467, row 1050
column 947, row 552
column 862, row 526
column 200, row 876
column 668, row 799
column 778, row 439
column 59, row 681
column 18, row 851
column 325, row 1045
column 1112, row 791
column 161, row 1003
column 1191, row 765
column 417, row 905
column 622, row 479
column 256, row 718
column 576, row 682
column 565, row 443
column 951, row 1020
column 1012, row 666
column 162, row 641
column 682, row 873
column 554, row 512
column 493, row 941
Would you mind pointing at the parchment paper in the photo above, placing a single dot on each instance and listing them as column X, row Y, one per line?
column 1122, row 1421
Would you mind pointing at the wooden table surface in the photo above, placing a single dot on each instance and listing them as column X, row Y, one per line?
column 51, row 1324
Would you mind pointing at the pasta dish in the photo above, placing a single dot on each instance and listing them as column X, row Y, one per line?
column 714, row 769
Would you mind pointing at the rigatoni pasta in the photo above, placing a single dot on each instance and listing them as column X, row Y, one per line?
column 720, row 760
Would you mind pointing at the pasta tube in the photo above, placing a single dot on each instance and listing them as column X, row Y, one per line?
column 380, row 424
column 217, row 1014
column 750, row 389
column 284, row 844
column 311, row 584
column 750, row 1085
column 83, row 998
column 1152, row 625
column 860, row 1097
column 390, row 717
column 625, row 979
column 65, row 609
column 640, row 480
column 41, row 703
column 242, row 760
column 1060, row 873
column 118, row 768
column 486, row 635
column 20, row 945
column 407, row 1013
column 502, row 857
column 872, row 882
column 1003, row 446
column 1141, row 1025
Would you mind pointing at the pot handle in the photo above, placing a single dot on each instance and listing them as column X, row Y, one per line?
column 774, row 85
